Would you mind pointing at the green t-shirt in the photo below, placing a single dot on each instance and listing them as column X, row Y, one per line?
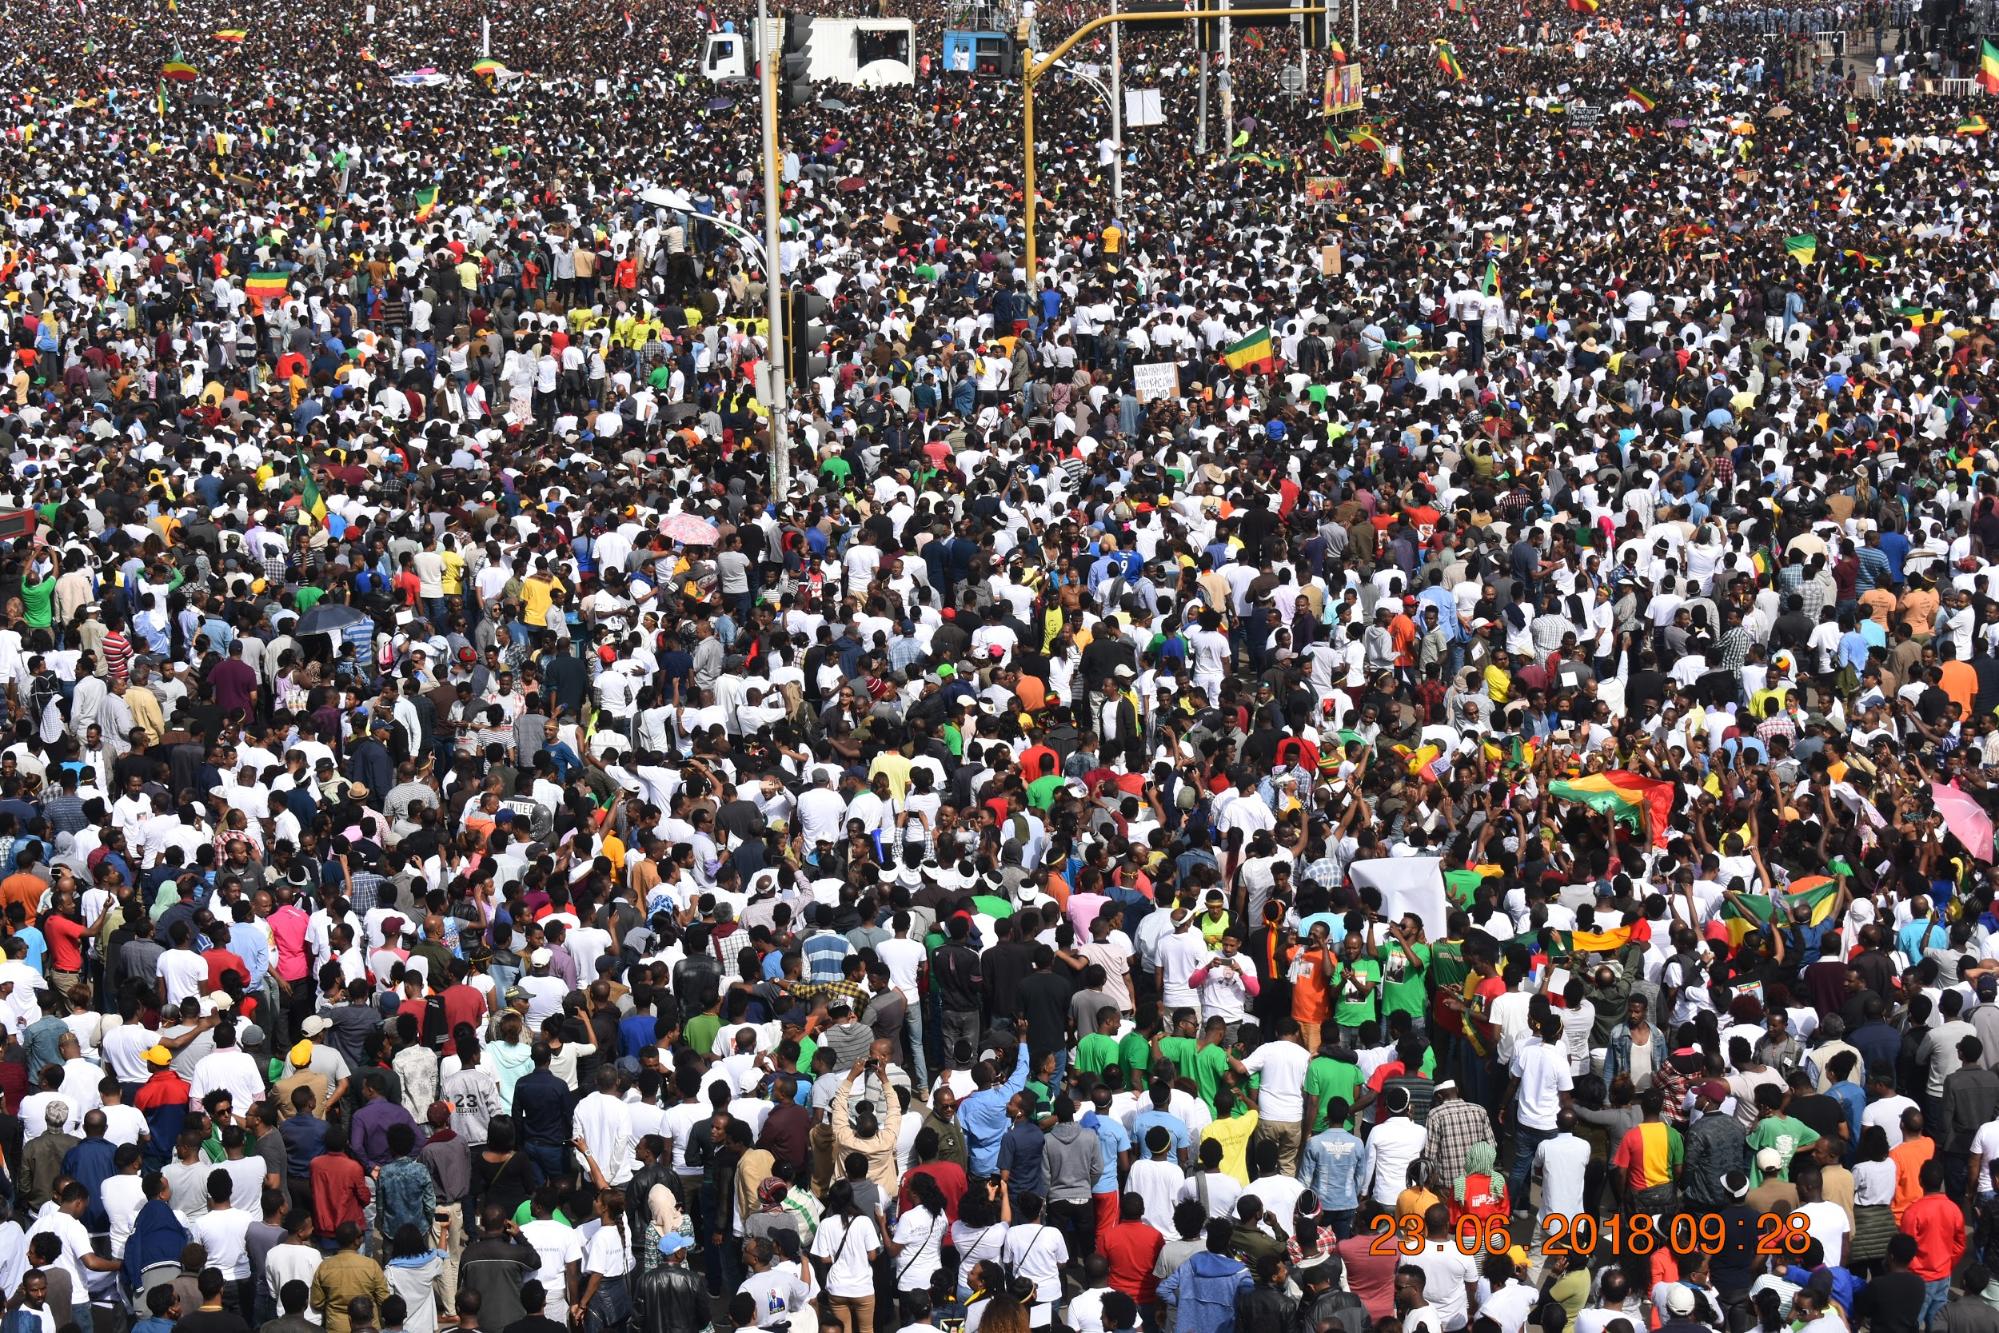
column 38, row 603
column 700, row 1031
column 1134, row 1056
column 1327, row 1079
column 1346, row 1012
column 838, row 468
column 1039, row 1091
column 1211, row 1063
column 1180, row 1050
column 308, row 597
column 1041, row 791
column 807, row 1048
column 1412, row 992
column 1096, row 1052
column 1783, row 1133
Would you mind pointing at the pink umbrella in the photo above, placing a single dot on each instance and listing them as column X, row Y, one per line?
column 1965, row 817
column 689, row 530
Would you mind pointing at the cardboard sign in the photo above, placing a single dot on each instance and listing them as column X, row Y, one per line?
column 1154, row 380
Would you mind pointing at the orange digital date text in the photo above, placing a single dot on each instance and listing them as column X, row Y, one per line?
column 1583, row 1235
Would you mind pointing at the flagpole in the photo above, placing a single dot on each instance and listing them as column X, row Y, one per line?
column 780, row 433
column 1117, row 115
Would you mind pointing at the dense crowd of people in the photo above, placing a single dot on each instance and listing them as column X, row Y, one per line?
column 1398, row 738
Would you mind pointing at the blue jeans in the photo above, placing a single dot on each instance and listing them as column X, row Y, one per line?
column 1936, row 1295
column 1525, row 1141
column 552, row 1158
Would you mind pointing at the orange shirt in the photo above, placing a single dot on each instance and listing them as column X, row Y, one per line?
column 1402, row 630
column 1937, row 1224
column 23, row 888
column 1960, row 682
column 1311, row 1000
column 1908, row 1157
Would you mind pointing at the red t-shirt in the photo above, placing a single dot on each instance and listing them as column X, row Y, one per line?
column 65, row 943
column 1937, row 1225
column 463, row 1004
column 220, row 961
column 1131, row 1249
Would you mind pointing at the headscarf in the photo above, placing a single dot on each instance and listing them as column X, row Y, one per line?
column 1479, row 1160
column 665, row 1209
column 157, row 1238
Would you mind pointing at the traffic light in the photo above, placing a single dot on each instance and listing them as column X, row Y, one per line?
column 1158, row 7
column 1318, row 28
column 1208, row 32
column 793, row 85
column 804, row 332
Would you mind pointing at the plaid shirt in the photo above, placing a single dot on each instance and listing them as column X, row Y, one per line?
column 366, row 890
column 1454, row 1127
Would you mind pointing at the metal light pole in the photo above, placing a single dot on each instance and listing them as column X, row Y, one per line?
column 1201, row 124
column 1033, row 69
column 1117, row 115
column 780, row 389
column 1227, row 81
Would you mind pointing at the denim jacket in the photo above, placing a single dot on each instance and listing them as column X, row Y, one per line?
column 1331, row 1169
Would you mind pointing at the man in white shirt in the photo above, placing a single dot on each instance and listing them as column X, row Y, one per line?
column 1395, row 1143
column 605, row 1126
column 1540, row 1086
column 1281, row 1094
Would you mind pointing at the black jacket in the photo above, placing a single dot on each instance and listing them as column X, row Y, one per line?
column 670, row 1298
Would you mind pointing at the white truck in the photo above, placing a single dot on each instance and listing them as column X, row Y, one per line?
column 862, row 53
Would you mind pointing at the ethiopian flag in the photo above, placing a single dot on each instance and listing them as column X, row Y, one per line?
column 1490, row 287
column 1579, row 941
column 1620, row 793
column 1988, row 66
column 1639, row 96
column 1972, row 124
column 1253, row 350
column 1447, row 61
column 1747, row 912
column 1336, row 50
column 309, row 499
column 426, row 202
column 1866, row 261
column 234, row 36
column 1804, row 248
column 179, row 71
column 263, row 286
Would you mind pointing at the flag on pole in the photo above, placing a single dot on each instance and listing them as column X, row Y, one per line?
column 1645, row 101
column 1447, row 61
column 179, row 71
column 1755, row 911
column 1804, row 248
column 1621, row 794
column 1250, row 352
column 1336, row 50
column 426, row 202
column 1490, row 287
column 160, row 99
column 1988, row 66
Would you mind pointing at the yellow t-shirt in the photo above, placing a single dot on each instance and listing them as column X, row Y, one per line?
column 453, row 578
column 1113, row 239
column 536, row 594
column 1233, row 1134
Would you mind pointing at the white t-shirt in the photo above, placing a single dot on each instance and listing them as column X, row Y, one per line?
column 608, row 1252
column 850, row 1273
column 224, row 1232
column 1036, row 1251
column 558, row 1244
column 1281, row 1095
column 1829, row 1228
column 1543, row 1071
column 1447, row 1271
column 921, row 1235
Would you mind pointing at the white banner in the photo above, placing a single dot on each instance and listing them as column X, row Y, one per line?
column 1142, row 107
column 1407, row 884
